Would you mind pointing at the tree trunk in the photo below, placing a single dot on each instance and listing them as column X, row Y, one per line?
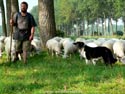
column 92, row 29
column 108, row 26
column 14, row 6
column 8, row 15
column 116, row 25
column 14, row 9
column 111, row 27
column 97, row 27
column 102, row 27
column 46, row 20
column 3, row 18
column 124, row 24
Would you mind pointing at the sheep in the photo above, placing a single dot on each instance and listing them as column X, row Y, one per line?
column 80, row 39
column 1, row 44
column 36, row 45
column 58, row 38
column 109, row 44
column 68, row 47
column 119, row 48
column 9, row 52
column 54, row 47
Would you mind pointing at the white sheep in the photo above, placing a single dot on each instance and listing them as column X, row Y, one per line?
column 54, row 47
column 119, row 48
column 1, row 44
column 36, row 44
column 80, row 40
column 58, row 38
column 9, row 52
column 68, row 47
column 109, row 44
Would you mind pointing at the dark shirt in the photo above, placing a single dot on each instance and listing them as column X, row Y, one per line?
column 23, row 24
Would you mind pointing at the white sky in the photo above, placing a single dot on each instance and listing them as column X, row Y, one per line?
column 31, row 3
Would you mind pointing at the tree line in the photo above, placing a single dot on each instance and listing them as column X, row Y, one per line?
column 70, row 12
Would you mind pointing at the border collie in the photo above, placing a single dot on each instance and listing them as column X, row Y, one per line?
column 97, row 52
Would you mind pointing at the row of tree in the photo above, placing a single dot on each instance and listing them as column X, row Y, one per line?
column 69, row 12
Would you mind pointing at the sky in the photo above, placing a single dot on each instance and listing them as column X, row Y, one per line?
column 31, row 3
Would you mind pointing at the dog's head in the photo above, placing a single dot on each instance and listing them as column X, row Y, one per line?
column 79, row 44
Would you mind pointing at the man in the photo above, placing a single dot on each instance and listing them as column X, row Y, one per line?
column 24, row 30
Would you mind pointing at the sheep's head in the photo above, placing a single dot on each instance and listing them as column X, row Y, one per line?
column 80, row 45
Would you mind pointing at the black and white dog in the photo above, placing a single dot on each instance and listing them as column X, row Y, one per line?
column 97, row 52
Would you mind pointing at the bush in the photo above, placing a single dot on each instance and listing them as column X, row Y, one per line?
column 59, row 33
column 119, row 33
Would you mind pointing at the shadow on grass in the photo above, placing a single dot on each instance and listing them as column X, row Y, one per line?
column 19, row 88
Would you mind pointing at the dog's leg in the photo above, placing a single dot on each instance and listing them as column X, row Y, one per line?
column 93, row 61
column 87, row 61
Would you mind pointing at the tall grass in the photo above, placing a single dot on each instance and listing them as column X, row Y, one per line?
column 45, row 74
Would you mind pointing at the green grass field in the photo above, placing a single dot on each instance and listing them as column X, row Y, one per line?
column 51, row 75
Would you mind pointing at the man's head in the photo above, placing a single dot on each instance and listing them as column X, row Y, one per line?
column 24, row 7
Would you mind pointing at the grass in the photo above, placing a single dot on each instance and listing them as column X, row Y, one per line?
column 51, row 75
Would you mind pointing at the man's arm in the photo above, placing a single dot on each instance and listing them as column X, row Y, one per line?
column 33, row 24
column 13, row 20
column 32, row 33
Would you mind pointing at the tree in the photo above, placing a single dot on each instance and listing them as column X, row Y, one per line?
column 14, row 6
column 14, row 9
column 46, row 20
column 3, row 18
column 8, row 15
column 11, row 7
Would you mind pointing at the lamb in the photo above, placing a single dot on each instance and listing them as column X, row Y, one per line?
column 1, row 44
column 54, row 47
column 7, row 48
column 97, row 52
column 80, row 39
column 68, row 47
column 119, row 48
column 58, row 38
column 109, row 44
column 36, row 45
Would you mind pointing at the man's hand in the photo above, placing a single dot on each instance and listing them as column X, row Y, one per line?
column 31, row 37
column 11, row 22
column 32, row 33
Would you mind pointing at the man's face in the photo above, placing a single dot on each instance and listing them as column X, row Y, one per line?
column 23, row 8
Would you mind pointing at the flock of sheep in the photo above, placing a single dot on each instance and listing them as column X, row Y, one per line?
column 65, row 46
column 5, row 43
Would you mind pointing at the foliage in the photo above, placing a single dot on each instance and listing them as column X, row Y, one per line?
column 59, row 33
column 45, row 74
column 70, row 12
column 34, row 12
column 91, row 11
column 119, row 33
